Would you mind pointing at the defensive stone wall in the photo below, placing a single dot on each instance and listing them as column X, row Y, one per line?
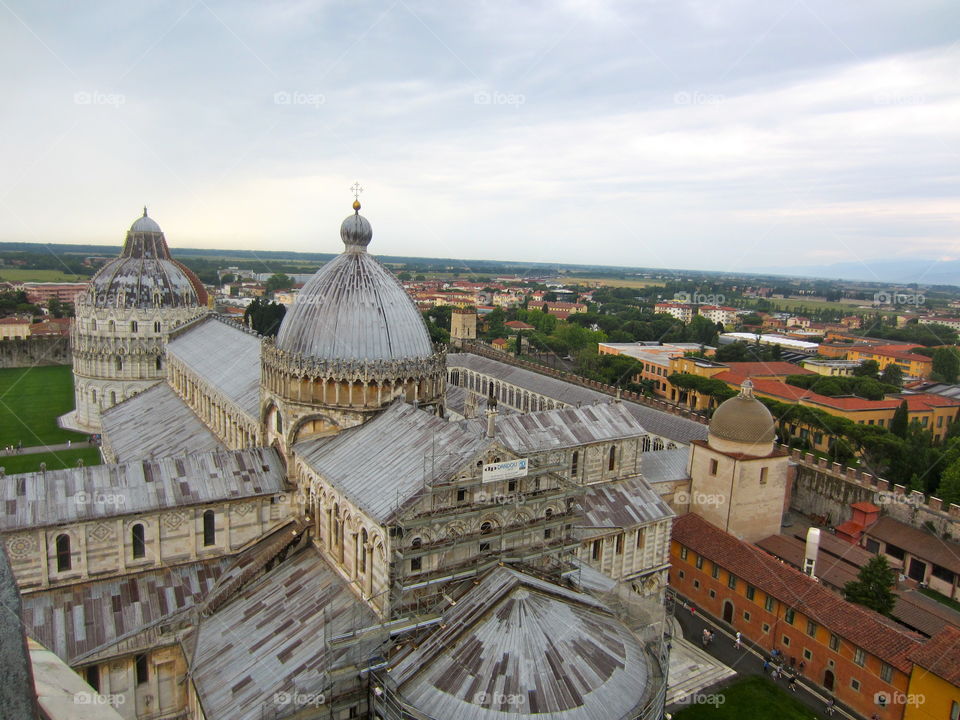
column 39, row 350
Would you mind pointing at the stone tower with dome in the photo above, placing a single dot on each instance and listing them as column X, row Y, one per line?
column 351, row 343
column 123, row 320
column 738, row 477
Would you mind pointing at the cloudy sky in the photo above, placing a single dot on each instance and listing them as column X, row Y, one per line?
column 698, row 134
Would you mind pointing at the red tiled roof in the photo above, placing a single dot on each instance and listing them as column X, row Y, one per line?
column 941, row 655
column 519, row 325
column 860, row 626
column 867, row 507
column 919, row 543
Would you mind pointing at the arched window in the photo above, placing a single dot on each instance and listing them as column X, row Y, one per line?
column 363, row 550
column 156, row 326
column 613, row 458
column 416, row 563
column 138, row 541
column 133, row 326
column 278, row 422
column 335, row 524
column 113, row 397
column 209, row 529
column 119, row 363
column 159, row 363
column 486, row 528
column 93, row 396
column 575, row 465
column 64, row 560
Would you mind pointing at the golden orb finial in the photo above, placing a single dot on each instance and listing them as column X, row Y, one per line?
column 356, row 205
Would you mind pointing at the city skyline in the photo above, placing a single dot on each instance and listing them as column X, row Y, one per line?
column 681, row 136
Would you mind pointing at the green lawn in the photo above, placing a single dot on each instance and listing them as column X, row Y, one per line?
column 31, row 399
column 756, row 698
column 13, row 464
column 24, row 275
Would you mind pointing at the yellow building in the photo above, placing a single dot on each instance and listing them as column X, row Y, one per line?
column 912, row 364
column 14, row 328
column 934, row 689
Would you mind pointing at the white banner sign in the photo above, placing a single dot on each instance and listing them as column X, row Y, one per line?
column 505, row 470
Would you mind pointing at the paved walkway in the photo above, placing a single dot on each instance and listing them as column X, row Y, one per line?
column 75, row 445
column 749, row 660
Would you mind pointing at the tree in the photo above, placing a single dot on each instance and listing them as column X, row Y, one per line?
column 946, row 364
column 279, row 282
column 873, row 586
column 55, row 307
column 900, row 423
column 264, row 317
column 949, row 489
column 868, row 368
column 892, row 375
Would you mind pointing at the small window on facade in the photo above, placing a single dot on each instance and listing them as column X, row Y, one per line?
column 93, row 677
column 209, row 529
column 714, row 466
column 786, row 641
column 731, row 581
column 113, row 397
column 575, row 464
column 416, row 563
column 811, row 628
column 807, row 655
column 138, row 541
column 159, row 363
column 512, row 486
column 766, row 628
column 461, row 495
column 763, row 476
column 363, row 550
column 64, row 560
column 715, row 571
column 750, row 592
column 133, row 326
column 789, row 616
column 618, row 546
column 859, row 657
column 597, row 549
column 699, row 562
column 141, row 669
column 746, row 616
column 119, row 363
column 642, row 539
column 278, row 422
column 855, row 684
column 156, row 326
column 768, row 604
column 683, row 553
column 93, row 396
column 547, row 534
column 834, row 642
column 613, row 458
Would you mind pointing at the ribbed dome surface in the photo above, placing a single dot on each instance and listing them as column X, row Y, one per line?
column 355, row 309
column 145, row 275
column 743, row 419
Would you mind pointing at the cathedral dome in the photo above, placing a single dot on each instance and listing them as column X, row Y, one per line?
column 745, row 421
column 144, row 275
column 353, row 308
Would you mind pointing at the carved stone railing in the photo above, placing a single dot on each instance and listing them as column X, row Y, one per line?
column 296, row 365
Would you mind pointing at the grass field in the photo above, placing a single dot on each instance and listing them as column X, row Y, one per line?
column 13, row 464
column 755, row 697
column 31, row 399
column 22, row 275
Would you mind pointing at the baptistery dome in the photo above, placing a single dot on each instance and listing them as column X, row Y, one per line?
column 353, row 308
column 144, row 275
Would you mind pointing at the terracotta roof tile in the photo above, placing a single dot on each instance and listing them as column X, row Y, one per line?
column 863, row 627
column 941, row 655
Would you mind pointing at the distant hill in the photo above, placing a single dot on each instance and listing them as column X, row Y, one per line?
column 903, row 272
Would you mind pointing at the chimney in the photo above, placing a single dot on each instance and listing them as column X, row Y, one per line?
column 810, row 551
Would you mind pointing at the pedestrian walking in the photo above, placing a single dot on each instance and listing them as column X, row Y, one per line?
column 693, row 609
column 766, row 666
column 736, row 642
column 830, row 708
column 69, row 443
column 793, row 683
